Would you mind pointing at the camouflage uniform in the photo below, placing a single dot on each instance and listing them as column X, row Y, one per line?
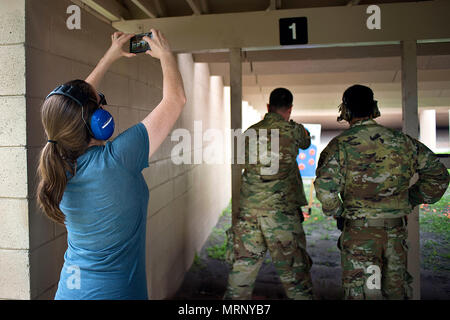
column 370, row 167
column 270, row 217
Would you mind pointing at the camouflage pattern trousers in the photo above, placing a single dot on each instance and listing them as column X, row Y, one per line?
column 374, row 263
column 282, row 234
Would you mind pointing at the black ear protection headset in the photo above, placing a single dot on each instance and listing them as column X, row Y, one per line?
column 101, row 123
column 347, row 115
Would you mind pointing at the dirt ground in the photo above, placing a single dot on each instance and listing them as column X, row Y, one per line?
column 207, row 277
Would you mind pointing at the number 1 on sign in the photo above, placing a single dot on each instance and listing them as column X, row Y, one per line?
column 294, row 31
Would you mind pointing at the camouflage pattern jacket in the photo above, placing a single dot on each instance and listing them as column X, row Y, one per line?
column 366, row 172
column 281, row 190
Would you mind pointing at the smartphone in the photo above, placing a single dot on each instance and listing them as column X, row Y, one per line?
column 138, row 45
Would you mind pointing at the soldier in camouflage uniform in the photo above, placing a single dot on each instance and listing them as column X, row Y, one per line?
column 364, row 176
column 270, row 214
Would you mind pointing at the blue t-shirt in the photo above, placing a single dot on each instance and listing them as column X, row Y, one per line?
column 105, row 205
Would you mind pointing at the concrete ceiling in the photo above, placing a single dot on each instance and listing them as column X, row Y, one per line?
column 142, row 9
column 317, row 77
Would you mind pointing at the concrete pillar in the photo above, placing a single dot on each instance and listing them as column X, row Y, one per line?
column 14, row 221
column 411, row 127
column 236, row 123
column 428, row 128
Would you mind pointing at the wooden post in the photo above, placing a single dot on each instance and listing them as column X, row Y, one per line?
column 411, row 127
column 236, row 123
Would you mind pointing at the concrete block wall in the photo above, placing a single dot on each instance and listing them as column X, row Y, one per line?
column 14, row 222
column 185, row 200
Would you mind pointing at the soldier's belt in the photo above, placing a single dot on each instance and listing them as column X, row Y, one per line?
column 387, row 223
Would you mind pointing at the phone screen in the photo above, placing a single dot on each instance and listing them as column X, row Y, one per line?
column 138, row 45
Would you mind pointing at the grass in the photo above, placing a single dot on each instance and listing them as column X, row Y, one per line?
column 218, row 234
column 217, row 251
column 431, row 257
column 435, row 220
column 325, row 236
column 198, row 262
column 435, row 217
column 317, row 221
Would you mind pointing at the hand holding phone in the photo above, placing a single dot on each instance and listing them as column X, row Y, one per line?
column 160, row 45
column 138, row 44
column 116, row 51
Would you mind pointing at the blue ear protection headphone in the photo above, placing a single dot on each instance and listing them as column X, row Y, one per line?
column 101, row 123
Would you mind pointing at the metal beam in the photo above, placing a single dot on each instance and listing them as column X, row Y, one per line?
column 205, row 7
column 160, row 8
column 145, row 7
column 91, row 11
column 195, row 8
column 382, row 51
column 236, row 123
column 274, row 5
column 326, row 26
column 410, row 118
column 110, row 9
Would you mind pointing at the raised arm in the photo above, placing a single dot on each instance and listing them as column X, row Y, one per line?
column 115, row 52
column 161, row 120
column 301, row 135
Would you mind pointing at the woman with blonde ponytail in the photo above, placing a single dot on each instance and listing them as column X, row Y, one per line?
column 94, row 186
